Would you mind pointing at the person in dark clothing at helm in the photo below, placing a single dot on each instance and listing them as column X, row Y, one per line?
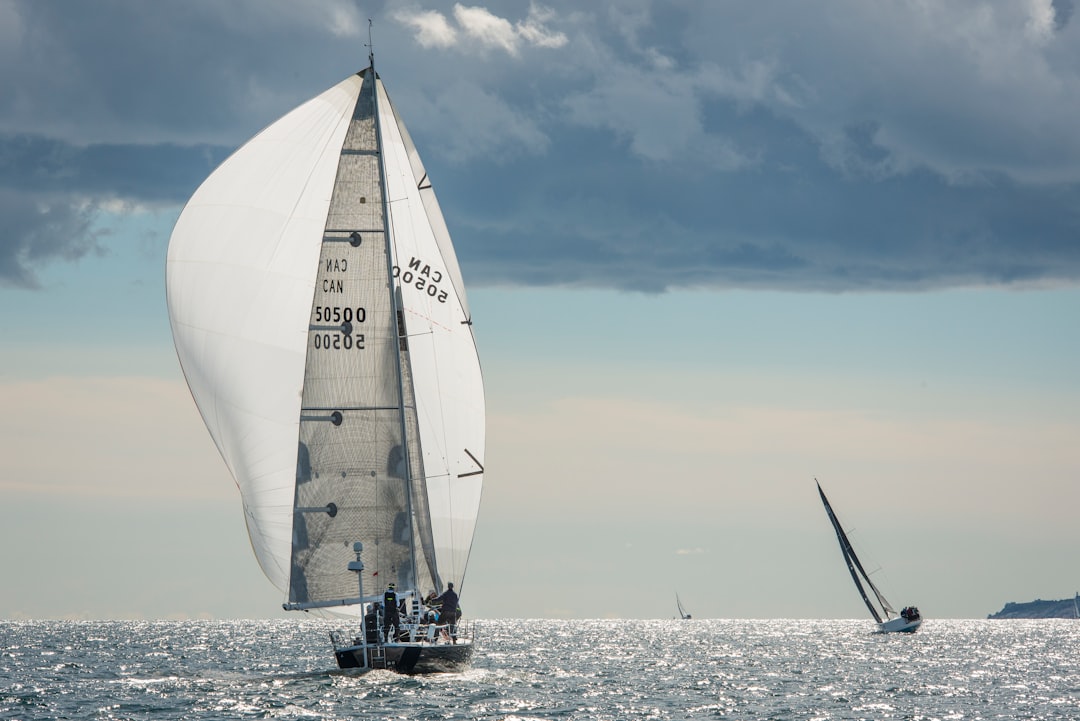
column 448, row 614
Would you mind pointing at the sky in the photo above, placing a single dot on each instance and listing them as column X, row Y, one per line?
column 714, row 251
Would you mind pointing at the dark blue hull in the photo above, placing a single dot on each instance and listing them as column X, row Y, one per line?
column 410, row 658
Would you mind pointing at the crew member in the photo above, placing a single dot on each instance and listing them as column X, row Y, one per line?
column 390, row 613
column 448, row 614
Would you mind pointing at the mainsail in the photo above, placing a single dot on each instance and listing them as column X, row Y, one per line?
column 855, row 567
column 320, row 318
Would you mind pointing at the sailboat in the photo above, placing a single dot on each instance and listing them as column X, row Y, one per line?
column 682, row 611
column 320, row 319
column 888, row 620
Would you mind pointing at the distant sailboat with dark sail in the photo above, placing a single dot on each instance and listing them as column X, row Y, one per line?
column 682, row 611
column 888, row 620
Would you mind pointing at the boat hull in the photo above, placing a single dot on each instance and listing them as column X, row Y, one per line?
column 900, row 625
column 408, row 658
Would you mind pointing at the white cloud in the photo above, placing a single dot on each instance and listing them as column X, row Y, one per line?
column 534, row 29
column 477, row 28
column 432, row 30
column 343, row 21
column 1040, row 24
column 659, row 61
column 489, row 30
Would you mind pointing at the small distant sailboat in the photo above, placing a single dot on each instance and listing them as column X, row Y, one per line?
column 1076, row 605
column 682, row 611
column 908, row 620
column 320, row 319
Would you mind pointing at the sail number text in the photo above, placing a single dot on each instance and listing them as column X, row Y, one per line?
column 335, row 314
column 423, row 277
column 339, row 339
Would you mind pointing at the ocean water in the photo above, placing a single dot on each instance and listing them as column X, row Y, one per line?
column 545, row 669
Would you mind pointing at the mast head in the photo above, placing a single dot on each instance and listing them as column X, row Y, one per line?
column 370, row 46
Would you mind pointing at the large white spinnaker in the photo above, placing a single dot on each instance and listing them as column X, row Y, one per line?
column 240, row 276
column 294, row 227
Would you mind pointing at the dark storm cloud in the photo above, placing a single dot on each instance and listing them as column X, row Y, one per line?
column 644, row 146
column 179, row 71
column 50, row 192
column 39, row 228
column 120, row 102
column 797, row 228
column 1063, row 11
column 839, row 147
column 164, row 173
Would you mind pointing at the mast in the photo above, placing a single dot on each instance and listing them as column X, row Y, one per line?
column 371, row 47
column 398, row 307
column 853, row 563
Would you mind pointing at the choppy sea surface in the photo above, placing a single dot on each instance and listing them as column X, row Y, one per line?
column 544, row 669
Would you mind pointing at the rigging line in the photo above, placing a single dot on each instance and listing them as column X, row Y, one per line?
column 418, row 334
column 429, row 319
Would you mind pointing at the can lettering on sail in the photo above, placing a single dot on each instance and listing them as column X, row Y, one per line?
column 334, row 286
column 423, row 277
